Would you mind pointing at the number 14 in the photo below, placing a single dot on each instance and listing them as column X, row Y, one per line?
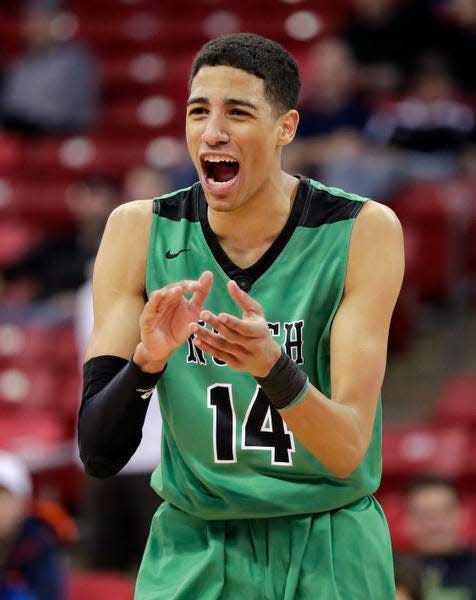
column 262, row 429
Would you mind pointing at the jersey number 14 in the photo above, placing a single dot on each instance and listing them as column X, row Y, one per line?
column 262, row 429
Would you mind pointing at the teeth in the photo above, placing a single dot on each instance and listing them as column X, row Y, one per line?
column 216, row 159
column 222, row 183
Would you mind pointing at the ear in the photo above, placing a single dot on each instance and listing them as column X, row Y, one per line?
column 287, row 127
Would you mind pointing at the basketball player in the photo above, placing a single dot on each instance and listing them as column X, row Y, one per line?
column 265, row 325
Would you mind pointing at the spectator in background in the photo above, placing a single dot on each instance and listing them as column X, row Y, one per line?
column 53, row 87
column 61, row 263
column 408, row 579
column 331, row 144
column 333, row 112
column 434, row 524
column 31, row 562
column 458, row 30
column 143, row 181
column 386, row 37
column 430, row 125
column 333, row 101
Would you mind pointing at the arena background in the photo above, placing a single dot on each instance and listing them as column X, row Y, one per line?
column 141, row 51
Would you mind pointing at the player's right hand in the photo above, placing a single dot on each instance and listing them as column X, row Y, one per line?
column 165, row 320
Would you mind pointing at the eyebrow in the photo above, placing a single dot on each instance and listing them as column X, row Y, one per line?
column 227, row 101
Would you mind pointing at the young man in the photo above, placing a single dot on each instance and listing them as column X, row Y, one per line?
column 266, row 324
column 434, row 514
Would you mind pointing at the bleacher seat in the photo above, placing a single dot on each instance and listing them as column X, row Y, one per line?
column 38, row 436
column 17, row 236
column 410, row 450
column 22, row 345
column 10, row 156
column 39, row 202
column 456, row 401
column 437, row 212
column 96, row 585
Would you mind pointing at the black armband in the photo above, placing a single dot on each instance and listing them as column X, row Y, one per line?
column 285, row 384
column 115, row 400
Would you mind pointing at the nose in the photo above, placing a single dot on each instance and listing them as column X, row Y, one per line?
column 215, row 132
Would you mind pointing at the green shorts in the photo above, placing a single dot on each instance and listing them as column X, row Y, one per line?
column 341, row 555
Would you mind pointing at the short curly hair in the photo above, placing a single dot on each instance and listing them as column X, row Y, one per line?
column 259, row 56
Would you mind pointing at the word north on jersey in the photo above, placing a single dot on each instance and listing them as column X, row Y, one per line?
column 291, row 332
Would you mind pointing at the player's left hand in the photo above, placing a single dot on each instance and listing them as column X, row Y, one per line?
column 245, row 344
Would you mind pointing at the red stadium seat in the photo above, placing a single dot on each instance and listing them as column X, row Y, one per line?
column 392, row 505
column 99, row 586
column 423, row 448
column 22, row 346
column 10, row 33
column 32, row 386
column 140, row 75
column 16, row 238
column 438, row 213
column 157, row 114
column 37, row 202
column 10, row 154
column 38, row 436
column 456, row 401
column 48, row 448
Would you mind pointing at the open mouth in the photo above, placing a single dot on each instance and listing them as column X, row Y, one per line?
column 220, row 170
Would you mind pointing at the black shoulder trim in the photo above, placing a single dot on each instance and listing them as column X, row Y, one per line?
column 252, row 273
column 325, row 208
column 177, row 206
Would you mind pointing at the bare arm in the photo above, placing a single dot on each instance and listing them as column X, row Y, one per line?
column 124, row 324
column 336, row 430
column 119, row 281
column 110, row 422
column 117, row 391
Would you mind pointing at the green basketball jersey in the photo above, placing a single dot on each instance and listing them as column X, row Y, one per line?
column 226, row 453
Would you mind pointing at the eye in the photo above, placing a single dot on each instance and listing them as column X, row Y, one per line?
column 239, row 112
column 197, row 110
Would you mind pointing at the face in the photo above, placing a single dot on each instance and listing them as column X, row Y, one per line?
column 433, row 518
column 334, row 75
column 402, row 594
column 91, row 204
column 234, row 136
column 144, row 182
column 11, row 513
column 37, row 29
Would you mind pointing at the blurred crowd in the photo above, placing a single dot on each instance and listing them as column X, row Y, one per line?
column 388, row 103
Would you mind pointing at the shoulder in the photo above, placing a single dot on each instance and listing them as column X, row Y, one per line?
column 133, row 216
column 126, row 235
column 376, row 248
column 375, row 222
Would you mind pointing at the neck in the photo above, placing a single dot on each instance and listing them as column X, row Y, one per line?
column 246, row 233
column 261, row 219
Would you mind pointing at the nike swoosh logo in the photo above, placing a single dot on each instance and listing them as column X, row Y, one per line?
column 170, row 254
column 146, row 394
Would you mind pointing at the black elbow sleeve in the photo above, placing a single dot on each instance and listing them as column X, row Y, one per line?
column 116, row 395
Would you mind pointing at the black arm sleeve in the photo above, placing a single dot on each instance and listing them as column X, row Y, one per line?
column 116, row 395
